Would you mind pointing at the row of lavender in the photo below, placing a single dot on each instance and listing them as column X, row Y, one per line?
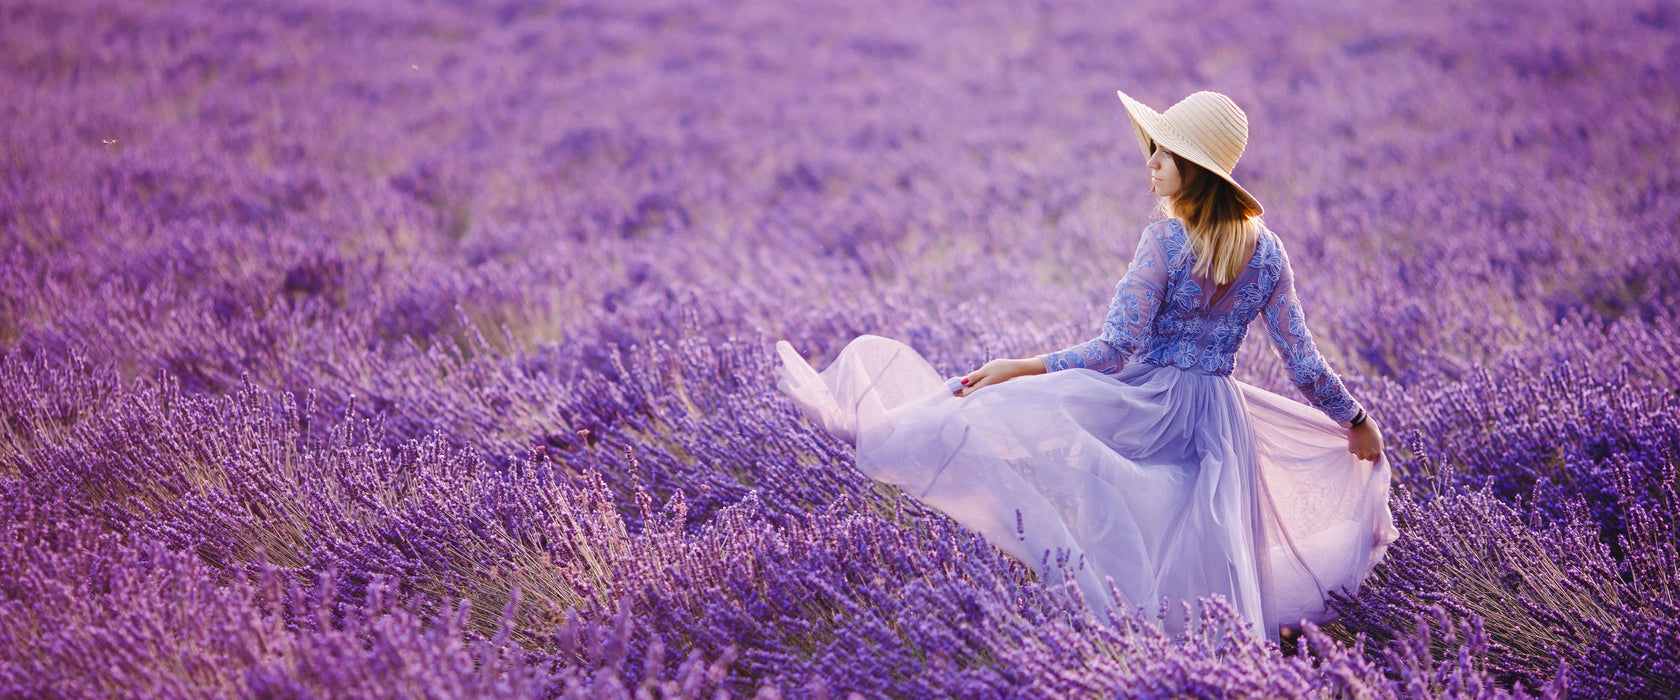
column 364, row 350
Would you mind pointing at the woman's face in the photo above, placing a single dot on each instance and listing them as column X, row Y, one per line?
column 1163, row 173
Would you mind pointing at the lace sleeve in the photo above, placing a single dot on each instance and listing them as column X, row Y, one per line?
column 1287, row 324
column 1130, row 314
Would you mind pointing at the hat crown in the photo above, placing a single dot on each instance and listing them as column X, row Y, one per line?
column 1214, row 124
column 1206, row 128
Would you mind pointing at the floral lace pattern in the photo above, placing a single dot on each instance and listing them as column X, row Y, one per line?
column 1163, row 316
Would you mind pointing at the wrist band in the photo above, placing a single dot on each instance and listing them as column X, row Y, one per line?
column 1357, row 419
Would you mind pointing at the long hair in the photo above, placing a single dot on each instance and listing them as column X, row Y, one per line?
column 1219, row 221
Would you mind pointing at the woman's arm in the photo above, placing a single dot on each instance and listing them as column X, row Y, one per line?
column 1287, row 324
column 1131, row 314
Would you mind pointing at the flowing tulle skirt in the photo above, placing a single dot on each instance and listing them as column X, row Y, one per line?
column 1170, row 483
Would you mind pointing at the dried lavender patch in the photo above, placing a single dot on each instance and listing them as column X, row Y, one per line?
column 95, row 613
column 1548, row 592
column 1474, row 556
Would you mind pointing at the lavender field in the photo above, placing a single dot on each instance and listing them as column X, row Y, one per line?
column 353, row 348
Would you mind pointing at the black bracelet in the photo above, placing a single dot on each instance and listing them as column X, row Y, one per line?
column 1357, row 419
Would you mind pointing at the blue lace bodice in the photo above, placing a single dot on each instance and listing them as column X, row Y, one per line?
column 1163, row 315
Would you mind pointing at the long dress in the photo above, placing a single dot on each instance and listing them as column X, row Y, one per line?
column 1136, row 458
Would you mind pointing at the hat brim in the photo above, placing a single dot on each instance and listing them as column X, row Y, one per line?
column 1149, row 126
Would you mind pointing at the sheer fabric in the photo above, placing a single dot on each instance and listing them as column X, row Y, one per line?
column 1137, row 458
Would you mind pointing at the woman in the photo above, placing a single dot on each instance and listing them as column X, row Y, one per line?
column 1134, row 458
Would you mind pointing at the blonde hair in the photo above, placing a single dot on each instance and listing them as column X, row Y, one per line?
column 1219, row 222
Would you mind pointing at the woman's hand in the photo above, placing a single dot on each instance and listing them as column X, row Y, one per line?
column 999, row 371
column 1365, row 440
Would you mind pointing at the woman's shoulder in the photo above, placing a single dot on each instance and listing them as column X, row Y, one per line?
column 1268, row 249
column 1165, row 228
column 1170, row 234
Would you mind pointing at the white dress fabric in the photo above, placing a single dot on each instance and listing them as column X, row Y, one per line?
column 1137, row 459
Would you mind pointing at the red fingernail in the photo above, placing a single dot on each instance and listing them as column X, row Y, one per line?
column 965, row 381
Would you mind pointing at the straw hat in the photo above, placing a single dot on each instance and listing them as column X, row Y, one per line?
column 1206, row 128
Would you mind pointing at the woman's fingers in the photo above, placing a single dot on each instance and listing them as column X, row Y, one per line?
column 1365, row 442
column 1367, row 452
column 976, row 379
column 994, row 372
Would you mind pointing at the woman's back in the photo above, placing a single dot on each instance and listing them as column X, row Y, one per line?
column 1199, row 326
column 1163, row 314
